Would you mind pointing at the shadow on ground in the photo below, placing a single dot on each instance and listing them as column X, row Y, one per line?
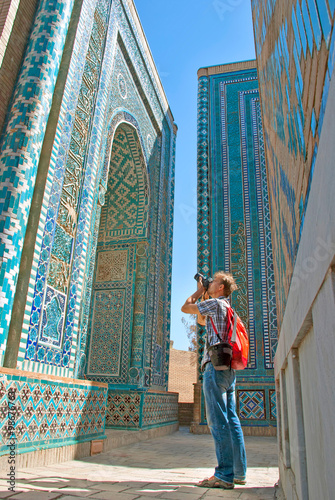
column 71, row 489
column 168, row 468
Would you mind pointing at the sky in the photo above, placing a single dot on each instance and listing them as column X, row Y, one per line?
column 183, row 36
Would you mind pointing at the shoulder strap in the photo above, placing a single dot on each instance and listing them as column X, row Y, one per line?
column 214, row 328
column 233, row 335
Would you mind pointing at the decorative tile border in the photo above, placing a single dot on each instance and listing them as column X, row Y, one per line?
column 43, row 412
column 141, row 410
column 22, row 142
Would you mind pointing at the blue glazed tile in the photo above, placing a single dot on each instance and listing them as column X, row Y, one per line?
column 301, row 29
column 297, row 65
column 324, row 19
column 296, row 32
column 331, row 6
column 314, row 16
column 313, row 122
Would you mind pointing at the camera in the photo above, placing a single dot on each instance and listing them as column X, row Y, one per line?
column 205, row 281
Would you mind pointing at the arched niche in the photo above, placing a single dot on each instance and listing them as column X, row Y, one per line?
column 117, row 318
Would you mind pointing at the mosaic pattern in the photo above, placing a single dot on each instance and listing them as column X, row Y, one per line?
column 125, row 212
column 48, row 412
column 135, row 410
column 237, row 238
column 102, row 257
column 51, row 196
column 123, row 410
column 273, row 404
column 107, row 325
column 110, row 326
column 139, row 310
column 294, row 97
column 159, row 408
column 251, row 405
column 65, row 248
column 203, row 241
column 112, row 265
column 22, row 142
column 265, row 229
column 64, row 202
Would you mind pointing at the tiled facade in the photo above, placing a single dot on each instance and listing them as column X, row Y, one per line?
column 234, row 231
column 40, row 413
column 295, row 62
column 87, row 189
column 295, row 46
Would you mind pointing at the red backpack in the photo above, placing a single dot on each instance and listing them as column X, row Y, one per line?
column 237, row 337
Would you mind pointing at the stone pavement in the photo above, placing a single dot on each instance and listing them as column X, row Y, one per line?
column 165, row 467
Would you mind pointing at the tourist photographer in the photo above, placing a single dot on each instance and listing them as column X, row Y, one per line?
column 219, row 385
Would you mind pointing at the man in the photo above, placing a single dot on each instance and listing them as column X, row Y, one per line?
column 219, row 388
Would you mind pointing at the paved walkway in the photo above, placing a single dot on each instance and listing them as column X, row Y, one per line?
column 165, row 468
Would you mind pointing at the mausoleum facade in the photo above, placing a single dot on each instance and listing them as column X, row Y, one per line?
column 234, row 232
column 86, row 221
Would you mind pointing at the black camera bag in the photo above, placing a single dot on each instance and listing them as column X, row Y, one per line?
column 221, row 354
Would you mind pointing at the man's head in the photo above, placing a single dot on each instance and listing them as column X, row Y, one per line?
column 223, row 284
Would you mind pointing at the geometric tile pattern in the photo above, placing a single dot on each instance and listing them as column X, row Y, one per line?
column 22, row 142
column 53, row 186
column 250, row 249
column 107, row 328
column 134, row 410
column 268, row 282
column 125, row 212
column 159, row 408
column 251, row 405
column 99, row 94
column 234, row 231
column 273, row 404
column 111, row 165
column 110, row 322
column 203, row 221
column 56, row 235
column 246, row 269
column 123, row 409
column 112, row 265
column 50, row 412
column 124, row 218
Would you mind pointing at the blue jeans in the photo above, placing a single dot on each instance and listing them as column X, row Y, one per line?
column 224, row 424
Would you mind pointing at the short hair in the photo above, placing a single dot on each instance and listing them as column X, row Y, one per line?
column 228, row 281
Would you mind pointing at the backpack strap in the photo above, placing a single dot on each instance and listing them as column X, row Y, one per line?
column 233, row 335
column 214, row 328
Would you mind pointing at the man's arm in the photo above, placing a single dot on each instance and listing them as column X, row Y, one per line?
column 190, row 306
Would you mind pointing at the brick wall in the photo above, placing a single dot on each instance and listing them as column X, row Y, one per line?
column 185, row 413
column 182, row 374
column 15, row 25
